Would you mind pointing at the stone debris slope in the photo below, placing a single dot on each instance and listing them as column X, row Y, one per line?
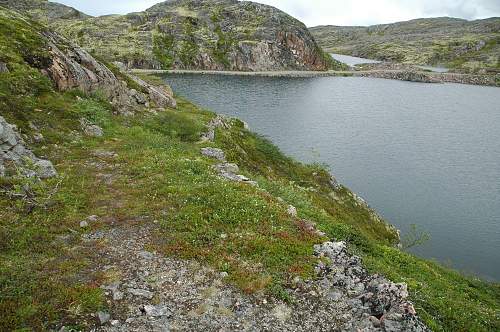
column 150, row 292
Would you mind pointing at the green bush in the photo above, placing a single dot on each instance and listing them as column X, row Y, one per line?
column 175, row 125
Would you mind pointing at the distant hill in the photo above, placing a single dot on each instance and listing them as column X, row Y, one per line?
column 190, row 34
column 459, row 44
column 44, row 10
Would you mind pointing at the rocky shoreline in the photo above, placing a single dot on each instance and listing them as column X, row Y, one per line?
column 402, row 75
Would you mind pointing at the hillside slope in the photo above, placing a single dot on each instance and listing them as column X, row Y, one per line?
column 461, row 45
column 43, row 10
column 193, row 34
column 155, row 217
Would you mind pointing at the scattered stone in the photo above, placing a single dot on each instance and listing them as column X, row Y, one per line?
column 141, row 292
column 93, row 218
column 104, row 154
column 146, row 255
column 156, row 311
column 38, row 138
column 224, row 275
column 282, row 312
column 115, row 322
column 214, row 153
column 191, row 297
column 229, row 172
column 86, row 223
column 104, row 317
column 117, row 296
column 90, row 129
column 219, row 121
column 3, row 67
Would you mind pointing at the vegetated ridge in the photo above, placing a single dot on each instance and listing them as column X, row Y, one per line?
column 461, row 45
column 192, row 34
column 124, row 209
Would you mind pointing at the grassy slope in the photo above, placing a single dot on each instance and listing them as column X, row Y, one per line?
column 451, row 42
column 159, row 173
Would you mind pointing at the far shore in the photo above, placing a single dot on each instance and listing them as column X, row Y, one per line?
column 428, row 77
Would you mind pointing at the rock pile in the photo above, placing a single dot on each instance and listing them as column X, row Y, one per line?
column 13, row 152
column 377, row 303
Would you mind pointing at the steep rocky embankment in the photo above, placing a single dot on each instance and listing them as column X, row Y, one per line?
column 468, row 46
column 196, row 34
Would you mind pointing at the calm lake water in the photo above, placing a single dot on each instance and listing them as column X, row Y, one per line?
column 353, row 61
column 424, row 154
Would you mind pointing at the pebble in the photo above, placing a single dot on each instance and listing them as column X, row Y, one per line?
column 104, row 317
column 141, row 292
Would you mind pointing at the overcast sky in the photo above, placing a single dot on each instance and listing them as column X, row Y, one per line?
column 335, row 12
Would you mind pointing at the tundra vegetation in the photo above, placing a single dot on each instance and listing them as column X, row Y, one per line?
column 46, row 274
column 463, row 46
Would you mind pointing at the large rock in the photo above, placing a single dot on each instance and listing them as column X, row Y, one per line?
column 72, row 67
column 13, row 152
column 160, row 95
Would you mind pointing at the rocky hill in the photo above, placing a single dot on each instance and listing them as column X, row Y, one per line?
column 468, row 46
column 192, row 34
column 43, row 10
column 122, row 209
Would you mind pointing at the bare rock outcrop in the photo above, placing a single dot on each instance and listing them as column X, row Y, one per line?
column 72, row 67
column 160, row 95
column 14, row 154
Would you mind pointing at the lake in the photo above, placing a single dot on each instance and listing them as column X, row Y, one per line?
column 424, row 154
column 352, row 61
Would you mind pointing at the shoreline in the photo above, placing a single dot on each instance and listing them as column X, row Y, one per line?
column 401, row 75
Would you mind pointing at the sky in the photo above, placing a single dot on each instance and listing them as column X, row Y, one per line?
column 330, row 12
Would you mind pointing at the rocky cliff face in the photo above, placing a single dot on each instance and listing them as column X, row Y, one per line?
column 200, row 34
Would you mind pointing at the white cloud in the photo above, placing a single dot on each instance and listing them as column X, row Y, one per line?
column 336, row 12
